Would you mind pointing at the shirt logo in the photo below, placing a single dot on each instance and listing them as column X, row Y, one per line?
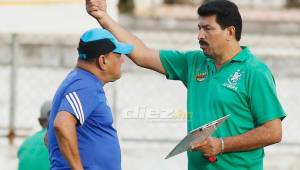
column 200, row 76
column 233, row 80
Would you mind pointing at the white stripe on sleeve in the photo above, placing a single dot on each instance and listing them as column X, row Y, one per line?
column 73, row 107
column 80, row 107
column 77, row 107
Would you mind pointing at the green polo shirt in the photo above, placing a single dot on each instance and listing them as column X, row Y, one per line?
column 243, row 87
column 33, row 154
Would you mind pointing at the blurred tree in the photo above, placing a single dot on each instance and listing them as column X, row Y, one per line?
column 293, row 3
column 126, row 6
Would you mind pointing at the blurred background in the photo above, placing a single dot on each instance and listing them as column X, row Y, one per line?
column 38, row 41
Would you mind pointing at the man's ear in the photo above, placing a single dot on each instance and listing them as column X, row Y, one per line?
column 102, row 63
column 230, row 33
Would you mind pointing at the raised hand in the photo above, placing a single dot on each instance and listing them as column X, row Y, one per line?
column 96, row 8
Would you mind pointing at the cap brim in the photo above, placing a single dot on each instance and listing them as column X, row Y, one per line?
column 123, row 48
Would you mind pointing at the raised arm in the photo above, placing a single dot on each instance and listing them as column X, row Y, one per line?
column 142, row 55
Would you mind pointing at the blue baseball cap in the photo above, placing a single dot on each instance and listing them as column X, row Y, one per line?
column 98, row 41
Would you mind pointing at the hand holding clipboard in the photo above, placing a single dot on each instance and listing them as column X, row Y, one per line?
column 198, row 135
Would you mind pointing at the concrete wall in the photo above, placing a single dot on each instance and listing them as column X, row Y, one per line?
column 60, row 50
column 64, row 18
column 146, row 6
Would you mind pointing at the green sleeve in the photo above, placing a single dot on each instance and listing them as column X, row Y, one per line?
column 177, row 64
column 264, row 103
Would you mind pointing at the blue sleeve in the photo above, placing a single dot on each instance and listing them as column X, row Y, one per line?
column 81, row 103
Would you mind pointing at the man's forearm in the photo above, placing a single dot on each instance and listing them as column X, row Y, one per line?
column 123, row 35
column 67, row 140
column 66, row 134
column 141, row 55
column 264, row 135
column 140, row 48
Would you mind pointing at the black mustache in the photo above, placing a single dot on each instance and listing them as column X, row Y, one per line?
column 201, row 42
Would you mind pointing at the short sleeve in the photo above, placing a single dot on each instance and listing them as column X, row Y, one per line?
column 81, row 103
column 175, row 64
column 264, row 103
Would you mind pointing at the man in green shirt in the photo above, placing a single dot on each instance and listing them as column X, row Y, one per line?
column 33, row 154
column 224, row 78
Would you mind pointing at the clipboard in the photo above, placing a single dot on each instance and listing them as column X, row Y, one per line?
column 197, row 135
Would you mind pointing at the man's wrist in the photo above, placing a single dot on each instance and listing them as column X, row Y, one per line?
column 101, row 18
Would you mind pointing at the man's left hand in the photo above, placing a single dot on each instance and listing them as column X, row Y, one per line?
column 210, row 147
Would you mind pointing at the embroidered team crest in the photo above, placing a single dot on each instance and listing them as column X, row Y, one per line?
column 233, row 80
column 200, row 76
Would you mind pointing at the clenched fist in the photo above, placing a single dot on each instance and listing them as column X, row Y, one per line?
column 96, row 8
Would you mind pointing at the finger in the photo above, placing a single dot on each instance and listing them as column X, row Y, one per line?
column 87, row 2
column 91, row 3
column 195, row 147
column 91, row 9
column 199, row 144
column 209, row 138
column 206, row 155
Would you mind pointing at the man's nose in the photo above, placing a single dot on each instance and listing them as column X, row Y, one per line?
column 201, row 35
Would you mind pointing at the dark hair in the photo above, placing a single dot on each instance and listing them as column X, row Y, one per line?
column 227, row 14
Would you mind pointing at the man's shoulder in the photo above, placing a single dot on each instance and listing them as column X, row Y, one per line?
column 196, row 57
column 255, row 64
column 76, row 82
